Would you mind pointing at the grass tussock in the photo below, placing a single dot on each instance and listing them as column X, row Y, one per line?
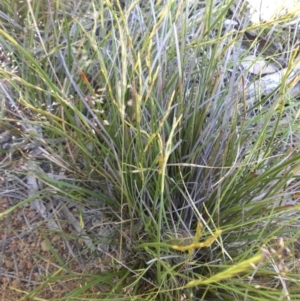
column 140, row 113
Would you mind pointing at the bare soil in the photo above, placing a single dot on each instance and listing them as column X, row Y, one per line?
column 30, row 253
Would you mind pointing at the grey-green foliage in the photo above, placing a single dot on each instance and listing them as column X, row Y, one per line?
column 15, row 10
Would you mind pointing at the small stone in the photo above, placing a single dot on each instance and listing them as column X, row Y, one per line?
column 55, row 238
column 8, row 263
column 22, row 265
column 29, row 265
column 13, row 247
column 45, row 246
column 15, row 283
column 21, row 274
column 37, row 277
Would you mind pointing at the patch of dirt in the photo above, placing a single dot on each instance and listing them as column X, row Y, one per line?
column 30, row 253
